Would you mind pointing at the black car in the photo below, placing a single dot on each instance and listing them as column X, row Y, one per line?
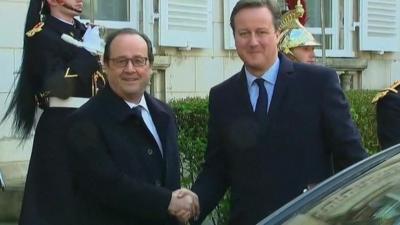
column 367, row 193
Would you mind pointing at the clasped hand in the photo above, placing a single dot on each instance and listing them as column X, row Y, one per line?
column 92, row 41
column 184, row 205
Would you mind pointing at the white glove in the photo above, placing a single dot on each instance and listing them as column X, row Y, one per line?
column 92, row 41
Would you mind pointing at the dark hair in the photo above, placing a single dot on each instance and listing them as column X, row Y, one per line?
column 36, row 9
column 23, row 103
column 244, row 4
column 112, row 36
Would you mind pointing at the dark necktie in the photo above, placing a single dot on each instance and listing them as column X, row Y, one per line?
column 137, row 111
column 262, row 100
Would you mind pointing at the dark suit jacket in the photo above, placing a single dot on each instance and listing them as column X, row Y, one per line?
column 388, row 119
column 119, row 176
column 267, row 165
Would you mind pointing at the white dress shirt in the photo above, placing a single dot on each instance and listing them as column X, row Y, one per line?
column 269, row 81
column 147, row 120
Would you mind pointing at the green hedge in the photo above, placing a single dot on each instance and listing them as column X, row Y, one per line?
column 192, row 116
column 363, row 113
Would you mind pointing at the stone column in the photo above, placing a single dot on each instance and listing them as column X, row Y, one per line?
column 345, row 80
column 157, row 87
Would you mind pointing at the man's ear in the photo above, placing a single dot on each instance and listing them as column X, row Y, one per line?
column 105, row 67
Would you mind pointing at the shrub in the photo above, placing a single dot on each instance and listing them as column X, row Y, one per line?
column 364, row 116
column 192, row 117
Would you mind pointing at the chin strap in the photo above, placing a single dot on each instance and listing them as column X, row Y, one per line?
column 71, row 8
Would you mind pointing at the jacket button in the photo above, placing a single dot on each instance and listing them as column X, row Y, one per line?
column 158, row 183
column 150, row 151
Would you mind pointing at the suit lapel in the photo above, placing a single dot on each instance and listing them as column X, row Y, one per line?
column 120, row 110
column 114, row 105
column 160, row 118
column 242, row 93
column 284, row 79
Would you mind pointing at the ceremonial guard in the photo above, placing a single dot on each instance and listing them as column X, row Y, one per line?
column 59, row 72
column 388, row 115
column 295, row 41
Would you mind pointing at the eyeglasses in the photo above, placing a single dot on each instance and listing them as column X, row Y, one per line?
column 136, row 61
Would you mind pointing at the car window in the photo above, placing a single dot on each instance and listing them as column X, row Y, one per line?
column 373, row 199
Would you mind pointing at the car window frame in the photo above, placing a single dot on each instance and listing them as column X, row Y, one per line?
column 344, row 177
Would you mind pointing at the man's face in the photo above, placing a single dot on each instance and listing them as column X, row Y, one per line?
column 130, row 81
column 304, row 54
column 256, row 39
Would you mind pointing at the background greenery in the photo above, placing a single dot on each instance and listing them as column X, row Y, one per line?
column 192, row 116
column 363, row 113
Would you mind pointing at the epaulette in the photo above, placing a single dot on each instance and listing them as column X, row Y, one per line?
column 37, row 28
column 384, row 92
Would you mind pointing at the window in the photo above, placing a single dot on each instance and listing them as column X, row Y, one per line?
column 373, row 198
column 380, row 26
column 339, row 30
column 111, row 13
column 186, row 23
column 338, row 16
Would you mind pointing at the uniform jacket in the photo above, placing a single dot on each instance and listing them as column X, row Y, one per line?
column 119, row 176
column 268, row 164
column 59, row 69
column 388, row 118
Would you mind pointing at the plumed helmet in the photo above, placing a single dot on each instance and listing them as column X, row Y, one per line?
column 293, row 33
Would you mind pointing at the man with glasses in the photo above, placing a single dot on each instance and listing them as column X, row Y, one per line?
column 123, row 145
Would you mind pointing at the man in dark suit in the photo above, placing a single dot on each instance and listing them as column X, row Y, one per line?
column 274, row 127
column 388, row 115
column 123, row 145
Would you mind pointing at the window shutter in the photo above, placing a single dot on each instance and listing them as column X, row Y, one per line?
column 380, row 25
column 229, row 41
column 186, row 23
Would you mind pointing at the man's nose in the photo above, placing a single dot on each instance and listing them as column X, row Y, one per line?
column 129, row 66
column 253, row 39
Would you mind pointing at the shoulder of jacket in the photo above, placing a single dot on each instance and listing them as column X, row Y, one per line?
column 384, row 92
column 36, row 29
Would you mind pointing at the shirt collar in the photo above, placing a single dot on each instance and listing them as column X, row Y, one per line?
column 270, row 75
column 142, row 103
column 67, row 22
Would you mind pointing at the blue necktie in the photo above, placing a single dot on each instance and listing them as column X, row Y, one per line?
column 262, row 100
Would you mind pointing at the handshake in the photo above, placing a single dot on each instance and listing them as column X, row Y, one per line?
column 184, row 205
